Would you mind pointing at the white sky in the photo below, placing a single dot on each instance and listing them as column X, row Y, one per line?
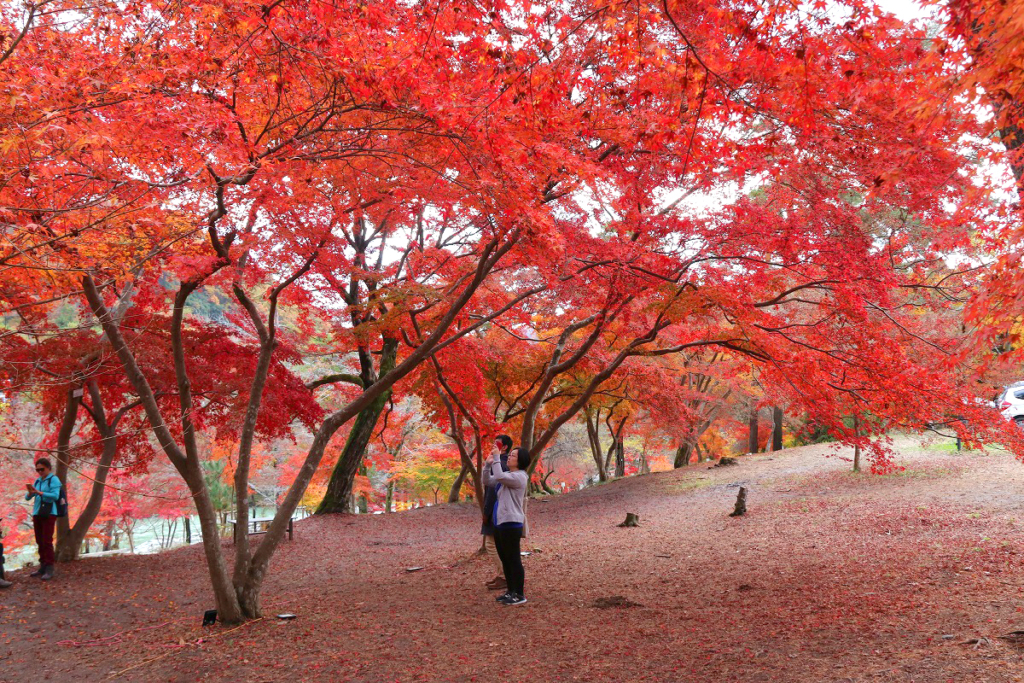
column 905, row 9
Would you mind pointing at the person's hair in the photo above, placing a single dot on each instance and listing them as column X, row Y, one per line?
column 522, row 458
column 506, row 441
column 45, row 462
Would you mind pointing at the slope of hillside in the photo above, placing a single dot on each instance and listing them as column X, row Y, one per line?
column 829, row 577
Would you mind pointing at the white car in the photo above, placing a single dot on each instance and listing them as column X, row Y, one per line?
column 1011, row 403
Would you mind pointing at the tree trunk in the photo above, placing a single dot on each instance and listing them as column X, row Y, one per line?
column 752, row 440
column 69, row 546
column 544, row 483
column 856, row 446
column 683, row 454
column 594, row 438
column 67, row 426
column 338, row 497
column 620, row 457
column 777, row 428
column 389, row 500
column 453, row 494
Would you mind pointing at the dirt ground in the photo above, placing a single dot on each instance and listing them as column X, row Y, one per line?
column 829, row 577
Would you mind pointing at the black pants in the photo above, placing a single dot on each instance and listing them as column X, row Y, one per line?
column 507, row 543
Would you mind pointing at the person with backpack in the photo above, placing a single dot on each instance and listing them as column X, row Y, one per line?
column 4, row 583
column 509, row 517
column 47, row 491
column 503, row 444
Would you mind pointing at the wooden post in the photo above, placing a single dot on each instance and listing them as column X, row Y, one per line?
column 741, row 503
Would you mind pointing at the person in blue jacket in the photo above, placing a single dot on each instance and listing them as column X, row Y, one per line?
column 4, row 583
column 45, row 490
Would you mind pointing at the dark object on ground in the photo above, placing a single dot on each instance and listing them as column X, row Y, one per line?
column 48, row 571
column 209, row 617
column 741, row 503
column 615, row 601
column 413, row 569
column 1015, row 637
column 512, row 599
column 285, row 617
column 725, row 462
column 632, row 519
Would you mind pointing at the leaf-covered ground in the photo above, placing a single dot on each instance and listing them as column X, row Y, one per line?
column 829, row 577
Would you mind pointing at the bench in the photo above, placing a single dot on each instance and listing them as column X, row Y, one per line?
column 258, row 525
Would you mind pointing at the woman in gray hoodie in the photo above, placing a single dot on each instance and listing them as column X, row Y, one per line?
column 509, row 518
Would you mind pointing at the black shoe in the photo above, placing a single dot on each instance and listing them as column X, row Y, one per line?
column 38, row 571
column 47, row 573
column 507, row 595
column 516, row 599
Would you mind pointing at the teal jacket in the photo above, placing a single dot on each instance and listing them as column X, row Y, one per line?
column 50, row 488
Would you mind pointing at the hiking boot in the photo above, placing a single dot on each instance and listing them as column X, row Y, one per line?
column 47, row 573
column 38, row 571
column 507, row 595
column 516, row 599
column 497, row 583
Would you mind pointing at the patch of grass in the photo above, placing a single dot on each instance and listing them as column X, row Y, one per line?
column 928, row 473
column 950, row 447
column 687, row 485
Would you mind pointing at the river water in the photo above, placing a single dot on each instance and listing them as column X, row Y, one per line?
column 150, row 535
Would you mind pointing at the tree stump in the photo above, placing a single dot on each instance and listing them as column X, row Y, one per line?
column 632, row 519
column 741, row 503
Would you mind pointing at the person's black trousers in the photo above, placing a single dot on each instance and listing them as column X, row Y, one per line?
column 507, row 542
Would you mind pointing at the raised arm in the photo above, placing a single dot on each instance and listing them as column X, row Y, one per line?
column 511, row 480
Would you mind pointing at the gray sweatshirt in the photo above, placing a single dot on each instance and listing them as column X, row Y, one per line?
column 511, row 495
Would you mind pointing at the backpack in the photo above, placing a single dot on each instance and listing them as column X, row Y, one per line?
column 62, row 501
